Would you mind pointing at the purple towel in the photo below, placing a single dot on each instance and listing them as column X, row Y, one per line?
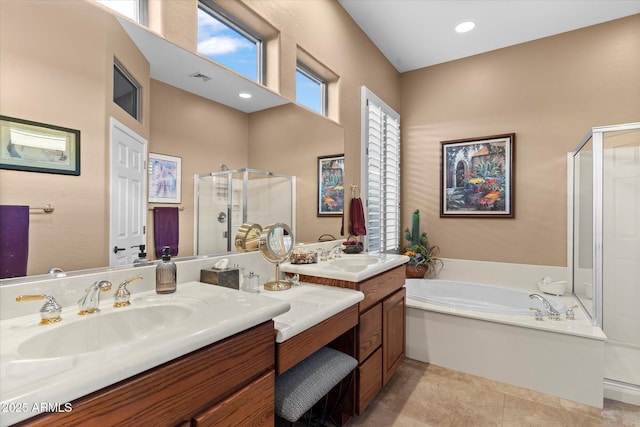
column 14, row 241
column 165, row 226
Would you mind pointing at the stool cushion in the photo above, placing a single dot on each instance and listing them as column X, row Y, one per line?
column 299, row 388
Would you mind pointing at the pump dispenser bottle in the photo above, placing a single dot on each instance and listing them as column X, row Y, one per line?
column 142, row 256
column 166, row 274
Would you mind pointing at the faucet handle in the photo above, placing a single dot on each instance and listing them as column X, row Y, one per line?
column 122, row 295
column 50, row 311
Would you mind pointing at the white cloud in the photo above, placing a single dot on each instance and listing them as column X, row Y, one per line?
column 222, row 45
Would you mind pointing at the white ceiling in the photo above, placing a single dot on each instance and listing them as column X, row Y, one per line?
column 414, row 34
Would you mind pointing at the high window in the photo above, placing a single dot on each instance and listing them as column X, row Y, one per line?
column 311, row 89
column 134, row 9
column 381, row 173
column 224, row 39
column 126, row 91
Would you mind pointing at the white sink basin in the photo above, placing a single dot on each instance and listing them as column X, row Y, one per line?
column 349, row 267
column 354, row 262
column 99, row 331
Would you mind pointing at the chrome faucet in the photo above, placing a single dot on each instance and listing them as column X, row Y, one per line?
column 90, row 303
column 329, row 254
column 552, row 312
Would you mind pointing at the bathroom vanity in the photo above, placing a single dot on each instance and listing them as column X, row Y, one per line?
column 378, row 341
column 230, row 383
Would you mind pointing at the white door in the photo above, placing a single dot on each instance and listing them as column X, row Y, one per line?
column 128, row 201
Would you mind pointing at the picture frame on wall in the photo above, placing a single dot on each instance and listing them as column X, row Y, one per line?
column 331, row 185
column 477, row 177
column 38, row 147
column 165, row 178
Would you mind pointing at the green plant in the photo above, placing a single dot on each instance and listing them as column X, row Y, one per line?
column 419, row 251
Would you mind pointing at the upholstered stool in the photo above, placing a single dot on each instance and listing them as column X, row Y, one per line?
column 301, row 387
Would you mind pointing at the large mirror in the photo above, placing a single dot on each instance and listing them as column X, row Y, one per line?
column 56, row 68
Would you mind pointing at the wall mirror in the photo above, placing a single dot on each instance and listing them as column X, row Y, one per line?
column 83, row 70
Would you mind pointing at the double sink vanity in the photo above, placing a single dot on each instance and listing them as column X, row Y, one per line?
column 204, row 355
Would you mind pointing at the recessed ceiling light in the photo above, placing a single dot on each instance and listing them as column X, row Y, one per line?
column 465, row 27
column 244, row 95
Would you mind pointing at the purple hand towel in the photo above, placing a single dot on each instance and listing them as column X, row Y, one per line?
column 166, row 230
column 356, row 218
column 14, row 241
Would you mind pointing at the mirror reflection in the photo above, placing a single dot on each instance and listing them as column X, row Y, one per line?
column 51, row 75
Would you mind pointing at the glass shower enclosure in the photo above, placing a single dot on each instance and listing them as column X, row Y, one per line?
column 227, row 199
column 604, row 242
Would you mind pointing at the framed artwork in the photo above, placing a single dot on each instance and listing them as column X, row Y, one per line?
column 38, row 147
column 476, row 178
column 165, row 178
column 331, row 185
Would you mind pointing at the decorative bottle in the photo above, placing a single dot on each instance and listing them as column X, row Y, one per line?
column 166, row 274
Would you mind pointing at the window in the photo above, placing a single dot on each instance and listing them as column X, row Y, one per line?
column 311, row 89
column 126, row 91
column 381, row 174
column 134, row 9
column 224, row 39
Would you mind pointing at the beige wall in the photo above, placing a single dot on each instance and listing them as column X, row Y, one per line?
column 550, row 92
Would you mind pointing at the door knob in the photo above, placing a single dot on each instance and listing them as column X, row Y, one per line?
column 117, row 249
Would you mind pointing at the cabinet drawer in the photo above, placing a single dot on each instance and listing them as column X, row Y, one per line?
column 378, row 287
column 369, row 332
column 369, row 380
column 251, row 406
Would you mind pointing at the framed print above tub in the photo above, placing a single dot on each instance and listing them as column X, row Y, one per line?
column 476, row 177
column 165, row 178
column 331, row 185
column 38, row 147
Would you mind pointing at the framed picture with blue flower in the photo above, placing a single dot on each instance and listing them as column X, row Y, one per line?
column 331, row 185
column 477, row 177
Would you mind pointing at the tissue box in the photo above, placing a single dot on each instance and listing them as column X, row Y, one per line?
column 227, row 277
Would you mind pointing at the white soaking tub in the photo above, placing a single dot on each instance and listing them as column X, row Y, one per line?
column 490, row 331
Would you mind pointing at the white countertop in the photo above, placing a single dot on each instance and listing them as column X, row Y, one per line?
column 355, row 273
column 310, row 305
column 216, row 313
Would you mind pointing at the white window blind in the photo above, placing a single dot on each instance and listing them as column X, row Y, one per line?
column 381, row 174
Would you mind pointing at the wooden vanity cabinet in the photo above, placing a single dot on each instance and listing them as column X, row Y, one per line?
column 228, row 383
column 379, row 337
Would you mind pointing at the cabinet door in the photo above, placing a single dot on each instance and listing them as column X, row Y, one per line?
column 393, row 335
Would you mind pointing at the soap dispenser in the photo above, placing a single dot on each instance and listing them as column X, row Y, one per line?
column 166, row 274
column 142, row 256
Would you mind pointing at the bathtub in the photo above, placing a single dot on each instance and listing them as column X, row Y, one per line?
column 477, row 297
column 489, row 331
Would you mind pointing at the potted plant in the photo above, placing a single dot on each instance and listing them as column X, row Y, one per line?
column 422, row 257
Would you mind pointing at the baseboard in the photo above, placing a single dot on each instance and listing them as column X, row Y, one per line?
column 622, row 392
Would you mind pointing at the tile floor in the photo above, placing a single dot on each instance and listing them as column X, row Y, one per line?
column 427, row 395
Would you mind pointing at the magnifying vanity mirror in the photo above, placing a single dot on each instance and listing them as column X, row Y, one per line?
column 248, row 237
column 276, row 244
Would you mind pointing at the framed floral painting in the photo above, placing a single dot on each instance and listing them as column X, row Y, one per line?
column 476, row 179
column 331, row 185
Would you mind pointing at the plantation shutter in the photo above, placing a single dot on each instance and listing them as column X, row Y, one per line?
column 382, row 175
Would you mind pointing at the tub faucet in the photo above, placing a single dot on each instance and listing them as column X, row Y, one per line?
column 552, row 312
column 90, row 303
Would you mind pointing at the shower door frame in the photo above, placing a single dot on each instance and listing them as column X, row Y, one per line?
column 596, row 135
